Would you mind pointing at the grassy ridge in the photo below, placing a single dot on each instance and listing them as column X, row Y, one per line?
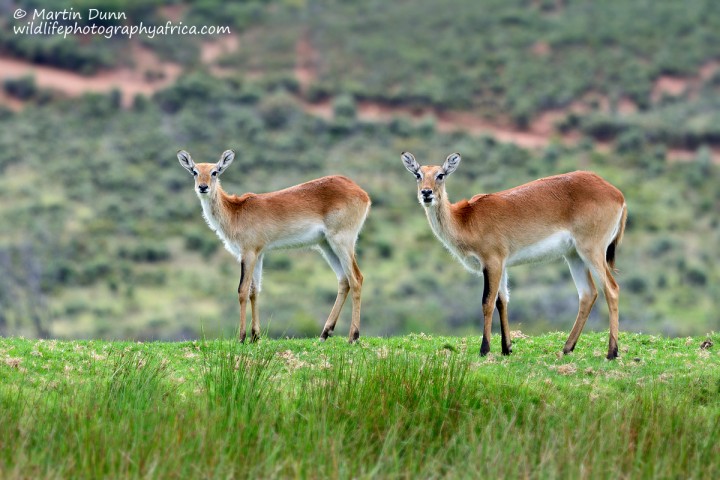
column 395, row 407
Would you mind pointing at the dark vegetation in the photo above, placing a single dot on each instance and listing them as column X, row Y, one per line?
column 101, row 234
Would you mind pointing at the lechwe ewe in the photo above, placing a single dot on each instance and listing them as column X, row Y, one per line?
column 577, row 216
column 326, row 214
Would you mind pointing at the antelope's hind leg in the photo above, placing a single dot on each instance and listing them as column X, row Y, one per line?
column 612, row 295
column 598, row 265
column 343, row 290
column 344, row 249
column 247, row 265
column 587, row 294
column 255, row 288
column 502, row 304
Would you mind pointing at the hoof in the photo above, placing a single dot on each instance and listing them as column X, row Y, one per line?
column 254, row 337
column 241, row 338
column 354, row 336
column 484, row 347
column 612, row 351
column 506, row 351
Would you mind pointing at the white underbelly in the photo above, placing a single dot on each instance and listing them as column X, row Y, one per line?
column 302, row 237
column 471, row 262
column 550, row 248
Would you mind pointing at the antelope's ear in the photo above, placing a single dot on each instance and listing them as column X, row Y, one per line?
column 225, row 160
column 451, row 163
column 410, row 163
column 186, row 161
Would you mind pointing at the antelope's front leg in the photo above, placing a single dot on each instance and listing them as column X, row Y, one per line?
column 491, row 280
column 247, row 266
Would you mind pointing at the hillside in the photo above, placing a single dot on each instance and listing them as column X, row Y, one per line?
column 101, row 234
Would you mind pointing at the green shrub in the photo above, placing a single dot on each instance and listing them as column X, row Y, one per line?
column 146, row 251
column 277, row 109
column 204, row 242
column 344, row 107
column 23, row 88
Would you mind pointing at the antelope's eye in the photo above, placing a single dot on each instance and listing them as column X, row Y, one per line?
column 214, row 173
column 440, row 176
column 195, row 173
column 418, row 176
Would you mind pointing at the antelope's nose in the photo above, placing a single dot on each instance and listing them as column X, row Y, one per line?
column 202, row 188
column 426, row 192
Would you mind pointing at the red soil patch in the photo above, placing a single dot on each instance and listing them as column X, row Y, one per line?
column 212, row 51
column 675, row 86
column 541, row 48
column 668, row 85
column 174, row 13
column 129, row 81
column 446, row 121
column 146, row 75
column 306, row 62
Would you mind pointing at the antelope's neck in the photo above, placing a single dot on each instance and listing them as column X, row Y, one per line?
column 214, row 214
column 212, row 206
column 442, row 222
column 445, row 227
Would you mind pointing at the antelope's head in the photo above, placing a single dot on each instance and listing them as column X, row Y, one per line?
column 430, row 179
column 206, row 174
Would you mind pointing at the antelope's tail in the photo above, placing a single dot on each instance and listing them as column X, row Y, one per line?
column 611, row 249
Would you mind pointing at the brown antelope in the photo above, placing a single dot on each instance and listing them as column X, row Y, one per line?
column 578, row 216
column 326, row 214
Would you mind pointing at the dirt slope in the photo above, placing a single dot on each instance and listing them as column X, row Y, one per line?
column 132, row 81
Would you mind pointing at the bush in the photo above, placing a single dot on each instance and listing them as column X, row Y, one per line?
column 344, row 107
column 196, row 87
column 146, row 251
column 631, row 141
column 636, row 285
column 277, row 109
column 203, row 242
column 695, row 276
column 23, row 88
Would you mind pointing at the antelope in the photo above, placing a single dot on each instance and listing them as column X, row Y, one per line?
column 578, row 216
column 326, row 214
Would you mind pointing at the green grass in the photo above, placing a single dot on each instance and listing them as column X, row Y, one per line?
column 417, row 406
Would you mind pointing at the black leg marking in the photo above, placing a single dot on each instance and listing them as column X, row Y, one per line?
column 485, row 347
column 486, row 286
column 242, row 275
column 612, row 353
